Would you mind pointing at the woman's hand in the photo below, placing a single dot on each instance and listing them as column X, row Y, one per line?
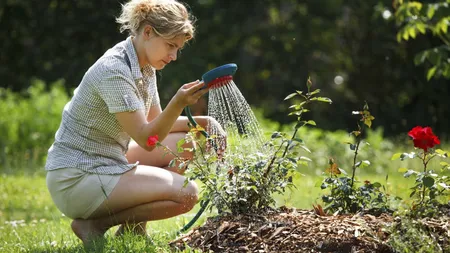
column 190, row 93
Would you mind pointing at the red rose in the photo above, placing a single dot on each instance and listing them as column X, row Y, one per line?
column 152, row 140
column 423, row 138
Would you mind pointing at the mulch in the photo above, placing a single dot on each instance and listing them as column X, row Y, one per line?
column 294, row 230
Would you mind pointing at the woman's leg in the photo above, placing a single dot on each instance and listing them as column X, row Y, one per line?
column 142, row 194
column 157, row 158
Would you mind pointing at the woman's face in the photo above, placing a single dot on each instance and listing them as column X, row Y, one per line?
column 158, row 51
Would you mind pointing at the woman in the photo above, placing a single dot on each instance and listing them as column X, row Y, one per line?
column 95, row 175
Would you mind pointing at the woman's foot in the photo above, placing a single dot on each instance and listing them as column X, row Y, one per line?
column 87, row 231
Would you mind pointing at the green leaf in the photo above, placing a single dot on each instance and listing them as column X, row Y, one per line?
column 428, row 182
column 407, row 155
column 180, row 143
column 276, row 135
column 305, row 148
column 313, row 92
column 441, row 152
column 396, row 156
column 443, row 185
column 322, row 99
column 365, row 163
column 298, row 140
column 376, row 185
column 409, row 173
column 311, row 122
column 399, row 37
column 431, row 11
column 305, row 158
column 343, row 171
column 172, row 163
column 412, row 32
column 291, row 96
column 297, row 113
column 402, row 170
column 421, row 27
column 444, row 25
column 431, row 72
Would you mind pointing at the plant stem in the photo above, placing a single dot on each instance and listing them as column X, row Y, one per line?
column 354, row 161
column 425, row 163
column 272, row 161
column 289, row 143
column 444, row 39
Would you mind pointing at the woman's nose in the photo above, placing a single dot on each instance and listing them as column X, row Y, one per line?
column 173, row 55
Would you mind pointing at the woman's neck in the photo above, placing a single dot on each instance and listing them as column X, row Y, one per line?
column 138, row 44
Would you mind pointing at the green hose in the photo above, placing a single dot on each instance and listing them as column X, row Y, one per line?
column 205, row 203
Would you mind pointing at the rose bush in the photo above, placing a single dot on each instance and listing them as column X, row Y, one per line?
column 429, row 184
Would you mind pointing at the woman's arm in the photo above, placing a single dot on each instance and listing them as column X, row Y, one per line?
column 181, row 125
column 137, row 126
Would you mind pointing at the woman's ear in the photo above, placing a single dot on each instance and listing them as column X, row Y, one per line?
column 148, row 32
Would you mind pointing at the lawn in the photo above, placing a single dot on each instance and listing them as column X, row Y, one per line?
column 29, row 222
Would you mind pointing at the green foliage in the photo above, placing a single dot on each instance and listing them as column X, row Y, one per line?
column 430, row 186
column 410, row 236
column 30, row 222
column 245, row 181
column 276, row 45
column 345, row 196
column 29, row 122
column 416, row 18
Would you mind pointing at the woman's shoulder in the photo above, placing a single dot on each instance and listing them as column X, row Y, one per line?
column 115, row 58
column 114, row 61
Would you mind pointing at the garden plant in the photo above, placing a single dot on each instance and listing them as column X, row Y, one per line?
column 242, row 186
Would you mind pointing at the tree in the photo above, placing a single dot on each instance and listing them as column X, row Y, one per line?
column 415, row 18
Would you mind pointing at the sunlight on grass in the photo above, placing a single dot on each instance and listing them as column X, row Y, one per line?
column 29, row 221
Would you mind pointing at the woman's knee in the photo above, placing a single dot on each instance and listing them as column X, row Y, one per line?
column 191, row 196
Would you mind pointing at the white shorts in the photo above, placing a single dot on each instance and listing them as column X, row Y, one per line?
column 77, row 193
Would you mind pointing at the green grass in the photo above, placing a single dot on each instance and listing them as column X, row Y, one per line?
column 29, row 221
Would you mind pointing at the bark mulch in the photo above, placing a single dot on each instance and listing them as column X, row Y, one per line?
column 293, row 230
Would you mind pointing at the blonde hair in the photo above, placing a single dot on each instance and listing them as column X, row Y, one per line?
column 168, row 18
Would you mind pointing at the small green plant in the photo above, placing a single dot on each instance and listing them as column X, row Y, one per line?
column 429, row 184
column 243, row 181
column 345, row 196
